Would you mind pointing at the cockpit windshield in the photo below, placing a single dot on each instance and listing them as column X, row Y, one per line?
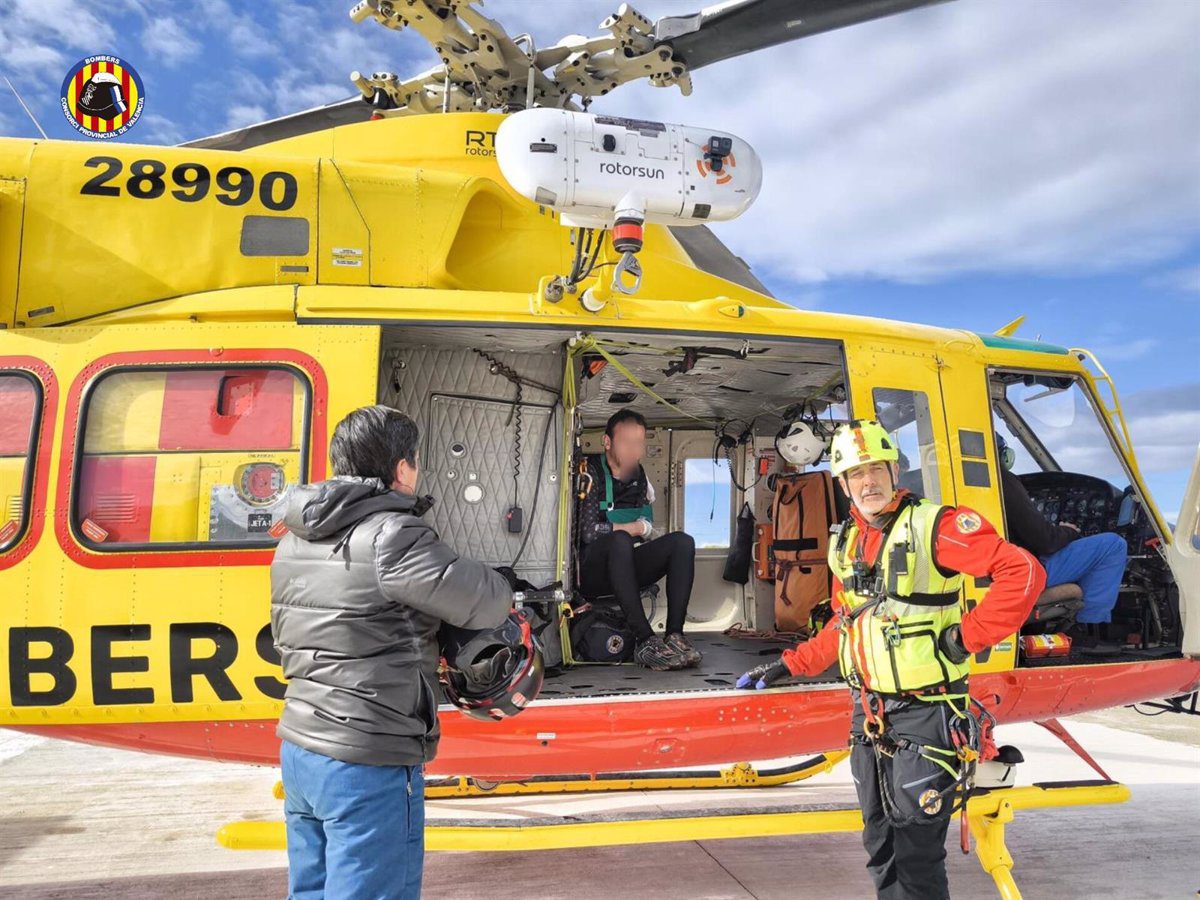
column 1052, row 426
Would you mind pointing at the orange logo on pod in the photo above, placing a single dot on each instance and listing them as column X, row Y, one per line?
column 704, row 166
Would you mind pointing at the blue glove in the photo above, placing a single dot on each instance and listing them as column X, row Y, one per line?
column 764, row 676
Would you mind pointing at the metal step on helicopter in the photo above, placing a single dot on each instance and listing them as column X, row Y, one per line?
column 475, row 246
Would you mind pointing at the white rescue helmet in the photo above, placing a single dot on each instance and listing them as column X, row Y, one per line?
column 798, row 445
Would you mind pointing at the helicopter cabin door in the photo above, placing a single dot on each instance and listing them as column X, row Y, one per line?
column 901, row 389
column 927, row 407
column 1183, row 555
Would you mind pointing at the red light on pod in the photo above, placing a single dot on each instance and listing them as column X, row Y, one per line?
column 627, row 235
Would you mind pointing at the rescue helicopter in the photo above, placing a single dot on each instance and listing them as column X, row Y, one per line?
column 181, row 327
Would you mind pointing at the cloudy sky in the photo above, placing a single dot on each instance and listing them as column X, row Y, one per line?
column 959, row 165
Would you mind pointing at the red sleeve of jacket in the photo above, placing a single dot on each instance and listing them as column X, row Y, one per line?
column 820, row 651
column 967, row 543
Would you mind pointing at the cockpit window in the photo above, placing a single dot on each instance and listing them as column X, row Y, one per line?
column 1051, row 425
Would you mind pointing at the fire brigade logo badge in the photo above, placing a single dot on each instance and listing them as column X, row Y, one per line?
column 102, row 97
column 967, row 523
column 930, row 802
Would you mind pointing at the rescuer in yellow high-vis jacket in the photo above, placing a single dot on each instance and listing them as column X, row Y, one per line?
column 903, row 643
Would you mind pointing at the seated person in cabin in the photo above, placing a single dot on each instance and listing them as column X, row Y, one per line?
column 618, row 554
column 1096, row 563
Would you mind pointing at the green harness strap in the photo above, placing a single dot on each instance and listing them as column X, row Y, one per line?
column 620, row 516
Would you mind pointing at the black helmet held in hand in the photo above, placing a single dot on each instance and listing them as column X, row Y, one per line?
column 492, row 674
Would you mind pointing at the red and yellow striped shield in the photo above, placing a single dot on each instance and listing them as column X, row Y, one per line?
column 102, row 96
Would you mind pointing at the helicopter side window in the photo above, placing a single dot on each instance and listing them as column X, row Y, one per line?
column 20, row 407
column 707, row 495
column 905, row 414
column 191, row 455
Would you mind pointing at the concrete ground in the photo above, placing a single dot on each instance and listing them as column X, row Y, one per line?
column 83, row 822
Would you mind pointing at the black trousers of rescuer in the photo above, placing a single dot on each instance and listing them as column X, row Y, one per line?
column 908, row 862
column 614, row 564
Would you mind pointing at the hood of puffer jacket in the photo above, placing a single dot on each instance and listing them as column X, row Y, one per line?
column 316, row 511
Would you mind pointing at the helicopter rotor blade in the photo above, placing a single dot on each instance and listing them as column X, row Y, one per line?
column 340, row 112
column 743, row 26
column 729, row 29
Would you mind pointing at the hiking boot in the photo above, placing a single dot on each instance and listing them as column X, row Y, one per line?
column 681, row 645
column 653, row 653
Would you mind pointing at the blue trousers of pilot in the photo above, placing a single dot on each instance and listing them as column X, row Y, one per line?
column 353, row 831
column 1096, row 564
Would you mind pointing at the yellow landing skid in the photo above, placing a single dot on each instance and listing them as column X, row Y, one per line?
column 739, row 775
column 987, row 815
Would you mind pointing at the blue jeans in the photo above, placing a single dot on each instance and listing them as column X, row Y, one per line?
column 1096, row 564
column 353, row 831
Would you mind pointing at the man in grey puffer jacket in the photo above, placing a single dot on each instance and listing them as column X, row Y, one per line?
column 359, row 587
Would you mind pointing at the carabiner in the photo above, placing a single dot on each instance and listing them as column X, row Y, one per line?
column 628, row 263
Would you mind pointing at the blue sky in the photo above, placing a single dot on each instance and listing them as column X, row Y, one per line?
column 960, row 165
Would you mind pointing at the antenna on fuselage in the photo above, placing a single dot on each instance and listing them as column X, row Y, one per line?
column 33, row 118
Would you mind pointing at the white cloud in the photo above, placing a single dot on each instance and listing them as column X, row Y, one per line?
column 35, row 36
column 22, row 56
column 1164, row 424
column 1125, row 350
column 295, row 91
column 165, row 37
column 241, row 115
column 1186, row 280
column 242, row 33
column 158, row 129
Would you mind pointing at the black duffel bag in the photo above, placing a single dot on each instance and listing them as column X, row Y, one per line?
column 601, row 634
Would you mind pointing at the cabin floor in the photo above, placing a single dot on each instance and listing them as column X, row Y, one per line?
column 725, row 658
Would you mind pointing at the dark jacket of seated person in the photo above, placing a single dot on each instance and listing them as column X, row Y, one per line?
column 1027, row 527
column 1096, row 563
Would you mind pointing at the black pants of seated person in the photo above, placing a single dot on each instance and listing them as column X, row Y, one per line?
column 614, row 564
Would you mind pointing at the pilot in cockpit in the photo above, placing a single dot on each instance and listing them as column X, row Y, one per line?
column 1096, row 562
